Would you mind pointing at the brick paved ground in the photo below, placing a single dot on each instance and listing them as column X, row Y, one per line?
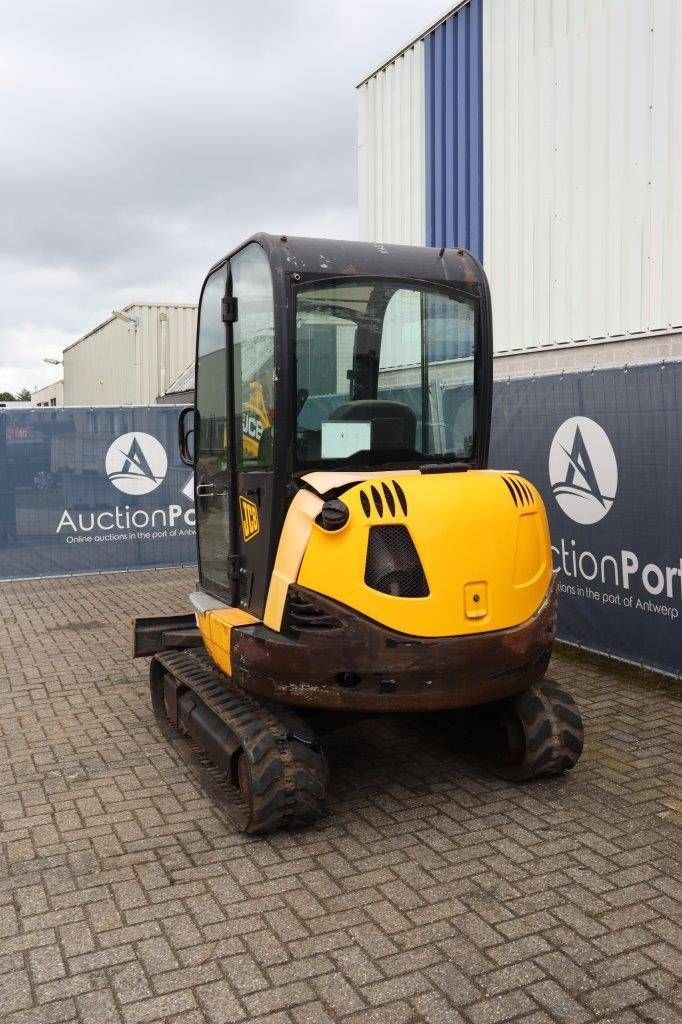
column 433, row 892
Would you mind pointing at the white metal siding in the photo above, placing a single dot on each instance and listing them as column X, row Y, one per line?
column 44, row 395
column 101, row 369
column 121, row 364
column 582, row 140
column 391, row 151
column 167, row 346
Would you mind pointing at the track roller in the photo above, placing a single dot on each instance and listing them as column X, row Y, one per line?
column 261, row 763
column 538, row 732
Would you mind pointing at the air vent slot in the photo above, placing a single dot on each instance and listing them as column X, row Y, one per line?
column 303, row 616
column 401, row 496
column 519, row 490
column 390, row 500
column 386, row 504
column 393, row 565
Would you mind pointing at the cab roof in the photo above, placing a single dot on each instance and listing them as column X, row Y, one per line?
column 314, row 258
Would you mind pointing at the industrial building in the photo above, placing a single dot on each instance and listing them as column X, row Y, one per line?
column 544, row 136
column 132, row 358
column 49, row 395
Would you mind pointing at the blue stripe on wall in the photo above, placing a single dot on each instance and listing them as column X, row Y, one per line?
column 453, row 66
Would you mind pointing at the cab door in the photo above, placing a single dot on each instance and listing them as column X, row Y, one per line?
column 213, row 456
column 253, row 396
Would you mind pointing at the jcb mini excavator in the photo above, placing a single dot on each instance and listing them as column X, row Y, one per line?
column 355, row 554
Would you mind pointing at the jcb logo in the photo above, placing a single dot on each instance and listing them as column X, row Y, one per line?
column 250, row 520
column 252, row 426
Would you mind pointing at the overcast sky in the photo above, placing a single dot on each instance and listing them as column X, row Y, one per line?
column 141, row 141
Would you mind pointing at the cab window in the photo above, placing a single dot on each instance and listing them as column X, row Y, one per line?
column 385, row 372
column 254, row 358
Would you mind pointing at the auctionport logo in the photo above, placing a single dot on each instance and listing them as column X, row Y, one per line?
column 583, row 470
column 136, row 463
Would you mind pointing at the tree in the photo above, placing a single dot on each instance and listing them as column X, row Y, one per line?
column 24, row 395
column 6, row 396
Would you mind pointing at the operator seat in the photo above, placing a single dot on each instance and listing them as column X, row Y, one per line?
column 394, row 424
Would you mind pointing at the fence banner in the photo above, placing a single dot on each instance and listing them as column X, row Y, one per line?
column 605, row 450
column 92, row 490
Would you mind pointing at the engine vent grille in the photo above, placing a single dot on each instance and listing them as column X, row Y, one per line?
column 519, row 490
column 393, row 565
column 387, row 503
column 302, row 616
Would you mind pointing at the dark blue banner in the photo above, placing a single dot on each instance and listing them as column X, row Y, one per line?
column 605, row 450
column 92, row 490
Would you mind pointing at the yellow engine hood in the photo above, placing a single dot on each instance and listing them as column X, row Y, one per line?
column 482, row 538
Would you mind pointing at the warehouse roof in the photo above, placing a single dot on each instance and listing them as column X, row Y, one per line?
column 126, row 309
column 439, row 21
column 183, row 382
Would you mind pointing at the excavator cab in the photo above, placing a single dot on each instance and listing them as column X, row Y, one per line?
column 355, row 553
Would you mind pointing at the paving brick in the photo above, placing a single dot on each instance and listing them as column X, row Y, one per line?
column 454, row 983
column 159, row 1008
column 388, row 991
column 310, row 1013
column 519, row 949
column 185, row 978
column 131, row 983
column 75, row 938
column 46, row 964
column 337, row 994
column 98, row 1008
column 617, row 997
column 517, row 975
column 244, row 973
column 219, row 1003
column 559, row 1003
column 278, row 996
column 657, row 1011
column 15, row 991
column 566, row 972
column 495, row 1009
column 398, row 1012
column 156, row 955
column 434, row 1008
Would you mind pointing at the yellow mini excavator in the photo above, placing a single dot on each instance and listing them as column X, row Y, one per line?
column 355, row 554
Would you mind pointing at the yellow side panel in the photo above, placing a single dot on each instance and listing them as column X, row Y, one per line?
column 487, row 562
column 216, row 626
column 292, row 544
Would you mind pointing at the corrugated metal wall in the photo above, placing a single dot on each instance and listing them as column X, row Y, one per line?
column 583, row 140
column 102, row 367
column 118, row 364
column 391, row 151
column 167, row 346
column 454, row 130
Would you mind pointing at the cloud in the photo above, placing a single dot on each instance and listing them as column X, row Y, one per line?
column 147, row 139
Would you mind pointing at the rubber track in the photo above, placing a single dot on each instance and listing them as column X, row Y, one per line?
column 553, row 731
column 287, row 767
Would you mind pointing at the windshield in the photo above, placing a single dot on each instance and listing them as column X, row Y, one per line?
column 385, row 373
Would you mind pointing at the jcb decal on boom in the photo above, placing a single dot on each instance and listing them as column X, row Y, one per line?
column 249, row 517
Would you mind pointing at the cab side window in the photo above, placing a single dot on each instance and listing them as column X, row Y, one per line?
column 254, row 358
column 211, row 374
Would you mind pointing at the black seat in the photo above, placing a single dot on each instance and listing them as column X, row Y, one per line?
column 394, row 424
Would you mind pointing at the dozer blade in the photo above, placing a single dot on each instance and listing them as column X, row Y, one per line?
column 538, row 732
column 262, row 764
